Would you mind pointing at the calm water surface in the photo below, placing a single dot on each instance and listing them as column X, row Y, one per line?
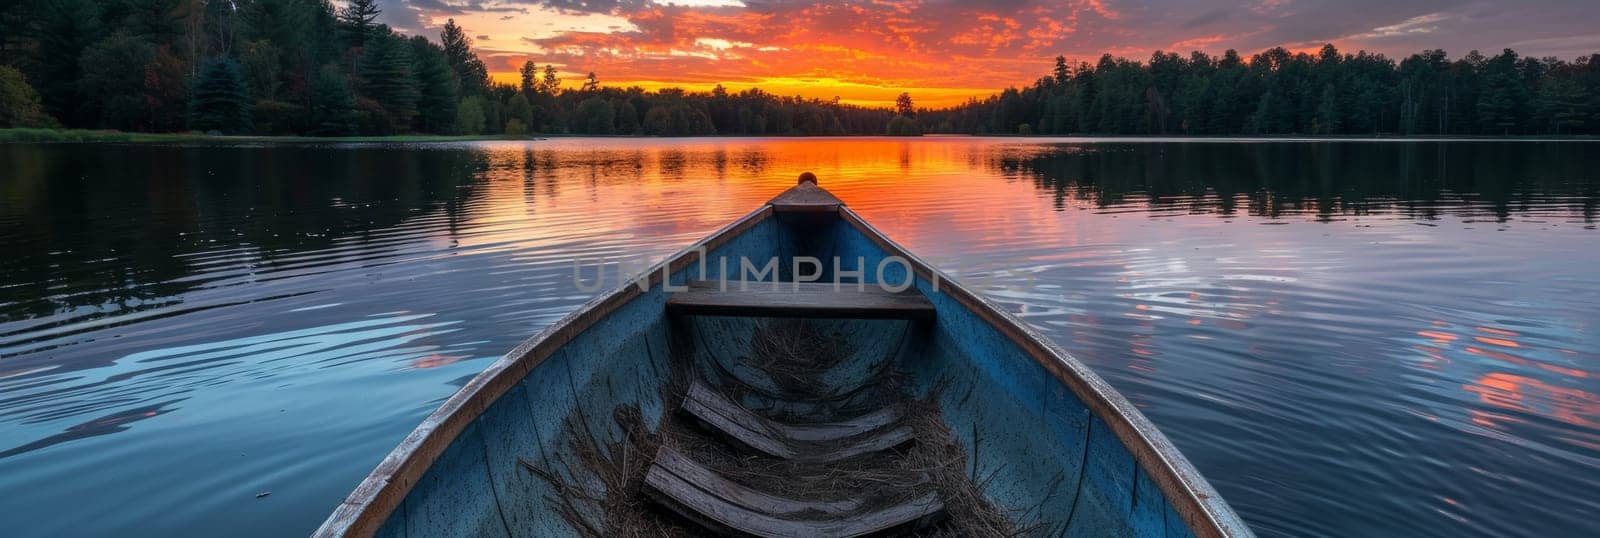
column 1353, row 338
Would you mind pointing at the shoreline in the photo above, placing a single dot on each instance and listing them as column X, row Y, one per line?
column 90, row 136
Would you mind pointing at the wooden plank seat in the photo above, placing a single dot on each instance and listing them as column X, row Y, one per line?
column 669, row 460
column 799, row 300
column 703, row 496
column 827, row 442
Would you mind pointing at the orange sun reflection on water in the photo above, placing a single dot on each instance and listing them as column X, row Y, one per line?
column 1528, row 395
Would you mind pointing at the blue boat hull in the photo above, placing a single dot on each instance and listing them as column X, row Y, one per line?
column 1057, row 449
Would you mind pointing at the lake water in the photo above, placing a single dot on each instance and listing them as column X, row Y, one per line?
column 1347, row 338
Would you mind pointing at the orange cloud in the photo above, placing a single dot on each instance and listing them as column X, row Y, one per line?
column 862, row 52
column 947, row 50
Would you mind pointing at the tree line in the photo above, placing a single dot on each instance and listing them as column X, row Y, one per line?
column 309, row 67
column 1280, row 92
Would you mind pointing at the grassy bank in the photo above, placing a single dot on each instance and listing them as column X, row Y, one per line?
column 87, row 135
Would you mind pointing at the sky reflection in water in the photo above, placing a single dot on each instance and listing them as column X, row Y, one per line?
column 1346, row 338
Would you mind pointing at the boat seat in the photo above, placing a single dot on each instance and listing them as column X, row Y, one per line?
column 703, row 496
column 872, row 432
column 799, row 300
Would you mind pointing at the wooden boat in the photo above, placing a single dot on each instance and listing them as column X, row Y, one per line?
column 703, row 399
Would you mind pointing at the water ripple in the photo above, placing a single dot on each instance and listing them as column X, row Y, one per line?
column 1347, row 339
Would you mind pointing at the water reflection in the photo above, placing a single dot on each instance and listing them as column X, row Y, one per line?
column 1422, row 180
column 1347, row 338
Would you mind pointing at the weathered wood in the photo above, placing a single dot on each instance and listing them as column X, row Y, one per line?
column 811, row 442
column 806, row 197
column 818, row 432
column 1201, row 508
column 672, row 461
column 364, row 511
column 714, row 510
column 799, row 300
column 1193, row 504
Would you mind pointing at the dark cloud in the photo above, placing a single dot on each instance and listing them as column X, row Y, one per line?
column 1207, row 18
column 463, row 7
column 594, row 6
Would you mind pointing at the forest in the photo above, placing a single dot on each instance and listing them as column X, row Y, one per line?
column 310, row 67
column 1277, row 92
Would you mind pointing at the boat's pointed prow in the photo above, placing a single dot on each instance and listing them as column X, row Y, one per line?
column 806, row 197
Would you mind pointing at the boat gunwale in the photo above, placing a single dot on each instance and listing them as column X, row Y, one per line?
column 366, row 508
column 1202, row 509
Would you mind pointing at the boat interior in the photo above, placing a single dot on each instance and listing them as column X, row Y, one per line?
column 786, row 405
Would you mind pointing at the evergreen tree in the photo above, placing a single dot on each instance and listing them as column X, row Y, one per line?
column 552, row 82
column 65, row 30
column 472, row 77
column 332, row 110
column 596, row 116
column 261, row 69
column 1327, row 121
column 221, row 101
column 1504, row 97
column 902, row 105
column 530, row 77
column 1563, row 106
column 359, row 18
column 387, row 77
column 112, row 82
column 627, row 118
column 436, row 105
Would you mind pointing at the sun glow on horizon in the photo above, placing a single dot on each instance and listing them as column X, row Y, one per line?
column 849, row 93
column 942, row 53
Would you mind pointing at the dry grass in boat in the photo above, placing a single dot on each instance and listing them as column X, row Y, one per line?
column 935, row 461
column 618, row 466
column 794, row 353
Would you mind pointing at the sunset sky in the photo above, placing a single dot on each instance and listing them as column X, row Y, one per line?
column 944, row 51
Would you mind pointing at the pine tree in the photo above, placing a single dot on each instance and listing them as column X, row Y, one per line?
column 112, row 82
column 1327, row 121
column 595, row 115
column 1562, row 104
column 627, row 118
column 1503, row 97
column 65, row 29
column 1062, row 72
column 552, row 83
column 436, row 106
column 360, row 17
column 530, row 77
column 332, row 105
column 902, row 105
column 221, row 101
column 387, row 77
column 472, row 77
